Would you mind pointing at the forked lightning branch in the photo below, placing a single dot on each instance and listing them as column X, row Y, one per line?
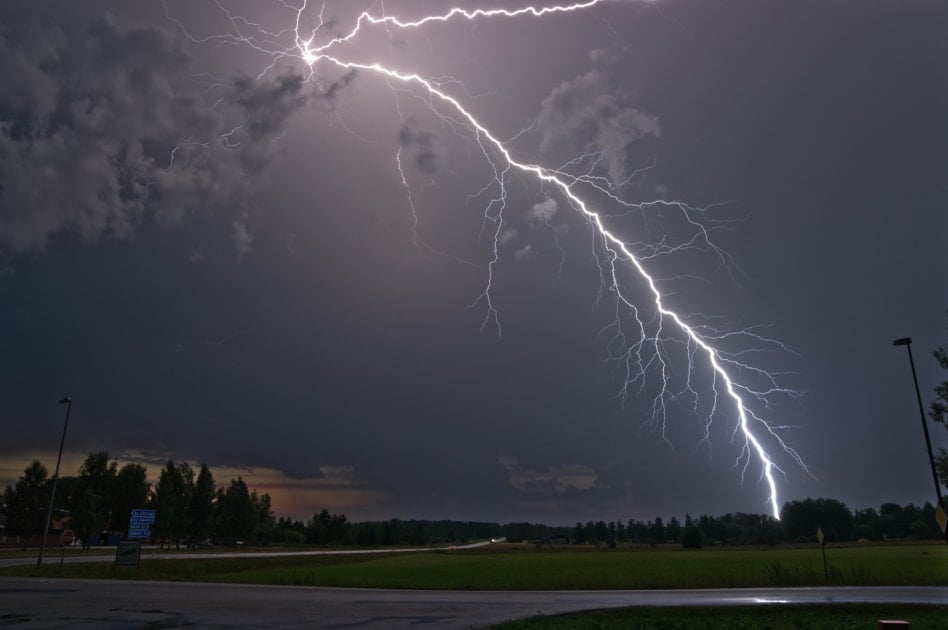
column 645, row 326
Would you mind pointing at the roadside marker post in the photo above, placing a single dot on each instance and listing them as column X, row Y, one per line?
column 820, row 538
column 65, row 539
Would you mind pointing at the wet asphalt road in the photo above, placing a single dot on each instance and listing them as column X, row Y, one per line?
column 87, row 604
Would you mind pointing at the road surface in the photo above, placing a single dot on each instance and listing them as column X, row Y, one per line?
column 87, row 604
column 53, row 556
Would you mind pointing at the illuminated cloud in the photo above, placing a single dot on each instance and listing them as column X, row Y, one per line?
column 543, row 211
column 555, row 480
column 589, row 114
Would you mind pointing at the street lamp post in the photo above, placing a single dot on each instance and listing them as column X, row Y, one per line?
column 66, row 400
column 907, row 342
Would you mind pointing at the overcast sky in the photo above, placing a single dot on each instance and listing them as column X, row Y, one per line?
column 233, row 258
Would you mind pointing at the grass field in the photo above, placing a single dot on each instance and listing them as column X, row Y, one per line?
column 822, row 617
column 513, row 568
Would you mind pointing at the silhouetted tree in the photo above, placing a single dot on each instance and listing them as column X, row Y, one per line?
column 602, row 532
column 317, row 530
column 173, row 502
column 590, row 530
column 290, row 532
column 264, row 522
column 202, row 507
column 130, row 492
column 691, row 537
column 656, row 530
column 637, row 531
column 801, row 519
column 925, row 526
column 236, row 513
column 28, row 501
column 391, row 532
column 867, row 524
column 90, row 511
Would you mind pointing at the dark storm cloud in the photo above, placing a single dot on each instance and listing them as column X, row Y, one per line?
column 265, row 108
column 589, row 114
column 331, row 91
column 97, row 131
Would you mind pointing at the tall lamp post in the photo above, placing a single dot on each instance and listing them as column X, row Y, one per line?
column 66, row 400
column 907, row 342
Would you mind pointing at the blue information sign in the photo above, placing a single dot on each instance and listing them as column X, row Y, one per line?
column 144, row 515
column 142, row 532
column 139, row 525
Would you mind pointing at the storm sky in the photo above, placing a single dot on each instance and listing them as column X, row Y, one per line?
column 214, row 252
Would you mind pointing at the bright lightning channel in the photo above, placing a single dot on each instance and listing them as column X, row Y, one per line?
column 700, row 340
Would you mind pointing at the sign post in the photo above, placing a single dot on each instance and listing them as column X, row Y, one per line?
column 129, row 552
column 820, row 538
column 64, row 541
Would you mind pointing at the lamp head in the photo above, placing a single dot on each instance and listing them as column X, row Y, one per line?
column 904, row 341
column 65, row 400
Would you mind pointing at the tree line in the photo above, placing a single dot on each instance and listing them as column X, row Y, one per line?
column 799, row 523
column 190, row 508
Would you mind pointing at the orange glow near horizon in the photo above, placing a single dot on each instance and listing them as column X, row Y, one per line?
column 337, row 490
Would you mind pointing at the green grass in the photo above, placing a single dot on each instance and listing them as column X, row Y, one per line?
column 527, row 568
column 820, row 617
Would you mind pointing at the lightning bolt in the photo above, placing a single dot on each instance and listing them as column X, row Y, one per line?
column 639, row 342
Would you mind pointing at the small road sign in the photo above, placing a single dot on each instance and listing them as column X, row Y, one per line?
column 941, row 517
column 140, row 522
column 144, row 515
column 128, row 552
column 68, row 537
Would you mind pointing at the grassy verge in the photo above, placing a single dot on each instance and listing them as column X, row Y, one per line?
column 513, row 569
column 822, row 617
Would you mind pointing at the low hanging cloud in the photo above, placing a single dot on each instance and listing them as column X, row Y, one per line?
column 507, row 235
column 524, row 253
column 243, row 237
column 555, row 480
column 587, row 114
column 98, row 132
column 544, row 211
